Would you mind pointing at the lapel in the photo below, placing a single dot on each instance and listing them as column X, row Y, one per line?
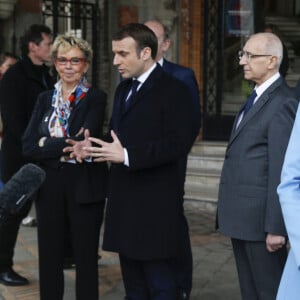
column 260, row 103
column 121, row 92
column 145, row 89
column 74, row 113
column 78, row 107
column 166, row 66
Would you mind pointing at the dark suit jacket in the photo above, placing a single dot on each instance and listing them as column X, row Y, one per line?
column 284, row 66
column 187, row 76
column 19, row 89
column 87, row 114
column 143, row 208
column 297, row 90
column 248, row 206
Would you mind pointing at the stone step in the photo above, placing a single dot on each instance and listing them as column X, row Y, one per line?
column 296, row 63
column 292, row 35
column 207, row 163
column 292, row 79
column 205, row 194
column 288, row 26
column 192, row 204
column 203, row 173
column 209, row 148
column 203, row 178
column 282, row 21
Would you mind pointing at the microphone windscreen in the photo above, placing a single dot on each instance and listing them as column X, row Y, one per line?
column 19, row 189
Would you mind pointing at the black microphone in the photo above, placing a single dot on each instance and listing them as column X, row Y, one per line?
column 19, row 189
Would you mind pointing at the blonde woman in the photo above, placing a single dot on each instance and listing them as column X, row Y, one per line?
column 73, row 195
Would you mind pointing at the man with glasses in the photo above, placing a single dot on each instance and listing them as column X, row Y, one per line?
column 248, row 208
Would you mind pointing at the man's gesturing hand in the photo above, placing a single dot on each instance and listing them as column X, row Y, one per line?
column 112, row 152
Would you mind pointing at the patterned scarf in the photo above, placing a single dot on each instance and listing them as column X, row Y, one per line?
column 58, row 125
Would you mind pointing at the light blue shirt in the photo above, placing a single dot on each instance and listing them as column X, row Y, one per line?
column 289, row 196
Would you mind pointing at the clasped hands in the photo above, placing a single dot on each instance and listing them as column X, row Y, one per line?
column 101, row 151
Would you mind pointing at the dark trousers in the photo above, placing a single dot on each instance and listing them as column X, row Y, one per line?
column 182, row 265
column 60, row 216
column 258, row 269
column 147, row 280
column 9, row 230
column 8, row 237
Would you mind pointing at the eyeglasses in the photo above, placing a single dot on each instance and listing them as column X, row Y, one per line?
column 249, row 55
column 73, row 61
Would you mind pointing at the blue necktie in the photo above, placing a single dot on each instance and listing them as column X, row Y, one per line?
column 135, row 83
column 249, row 102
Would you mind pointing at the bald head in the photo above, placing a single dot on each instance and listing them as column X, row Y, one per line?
column 261, row 57
column 269, row 43
column 162, row 35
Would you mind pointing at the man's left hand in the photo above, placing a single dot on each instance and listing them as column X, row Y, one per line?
column 112, row 152
column 274, row 242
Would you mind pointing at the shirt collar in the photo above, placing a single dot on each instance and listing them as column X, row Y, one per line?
column 142, row 78
column 260, row 89
column 161, row 61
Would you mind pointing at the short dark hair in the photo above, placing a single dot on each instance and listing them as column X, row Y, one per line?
column 33, row 34
column 143, row 36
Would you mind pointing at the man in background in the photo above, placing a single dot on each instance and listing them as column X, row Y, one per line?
column 19, row 89
column 183, row 264
column 182, row 73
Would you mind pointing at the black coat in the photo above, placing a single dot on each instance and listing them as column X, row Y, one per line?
column 87, row 114
column 187, row 76
column 19, row 89
column 143, row 209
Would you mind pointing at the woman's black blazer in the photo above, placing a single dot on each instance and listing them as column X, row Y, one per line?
column 87, row 114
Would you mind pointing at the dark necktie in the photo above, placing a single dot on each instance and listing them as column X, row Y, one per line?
column 134, row 85
column 249, row 102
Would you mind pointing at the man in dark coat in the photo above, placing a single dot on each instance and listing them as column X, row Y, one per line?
column 182, row 73
column 19, row 89
column 183, row 264
column 248, row 209
column 152, row 130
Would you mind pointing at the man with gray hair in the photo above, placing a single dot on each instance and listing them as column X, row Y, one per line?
column 248, row 208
